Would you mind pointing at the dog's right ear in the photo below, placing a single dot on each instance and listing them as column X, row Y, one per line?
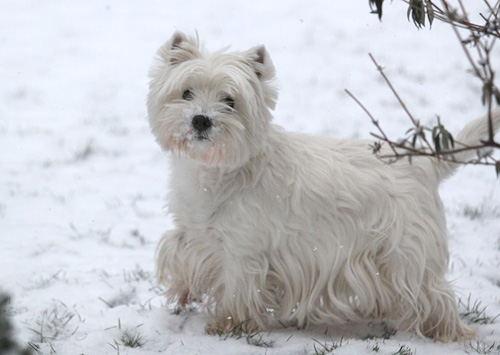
column 179, row 48
column 261, row 63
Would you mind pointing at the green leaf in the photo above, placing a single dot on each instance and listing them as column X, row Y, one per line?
column 437, row 146
column 489, row 92
column 442, row 138
column 416, row 9
column 496, row 93
column 422, row 134
column 378, row 7
column 435, row 132
column 485, row 93
column 452, row 140
column 430, row 12
column 445, row 140
column 414, row 140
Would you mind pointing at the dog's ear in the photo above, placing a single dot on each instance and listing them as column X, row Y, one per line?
column 263, row 66
column 176, row 40
column 179, row 48
column 262, row 63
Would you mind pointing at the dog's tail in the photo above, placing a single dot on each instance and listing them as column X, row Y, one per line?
column 470, row 136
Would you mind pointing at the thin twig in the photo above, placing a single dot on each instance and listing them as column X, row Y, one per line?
column 381, row 71
column 400, row 100
column 461, row 41
column 374, row 121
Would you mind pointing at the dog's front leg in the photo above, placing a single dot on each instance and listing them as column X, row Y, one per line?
column 240, row 305
column 169, row 267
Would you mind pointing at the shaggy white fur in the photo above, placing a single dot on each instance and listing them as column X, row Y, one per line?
column 277, row 226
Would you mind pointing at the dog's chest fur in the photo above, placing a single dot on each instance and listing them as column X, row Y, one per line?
column 214, row 205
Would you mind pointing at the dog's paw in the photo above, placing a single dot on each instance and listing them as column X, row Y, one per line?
column 183, row 299
column 180, row 297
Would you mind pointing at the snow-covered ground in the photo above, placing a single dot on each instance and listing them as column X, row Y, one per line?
column 82, row 182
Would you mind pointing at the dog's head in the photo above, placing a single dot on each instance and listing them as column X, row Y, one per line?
column 210, row 107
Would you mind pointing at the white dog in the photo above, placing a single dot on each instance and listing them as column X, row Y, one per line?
column 277, row 226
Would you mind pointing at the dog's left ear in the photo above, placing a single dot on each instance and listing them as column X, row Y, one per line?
column 262, row 63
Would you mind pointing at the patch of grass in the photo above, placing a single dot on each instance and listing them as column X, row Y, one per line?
column 474, row 312
column 137, row 235
column 132, row 339
column 35, row 347
column 124, row 298
column 115, row 346
column 48, row 280
column 146, row 306
column 137, row 275
column 257, row 339
column 54, row 324
column 84, row 152
column 254, row 339
column 387, row 332
column 236, row 332
column 404, row 350
column 473, row 213
column 103, row 234
column 485, row 209
column 325, row 348
column 484, row 348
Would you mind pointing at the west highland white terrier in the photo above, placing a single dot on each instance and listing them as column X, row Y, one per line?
column 273, row 226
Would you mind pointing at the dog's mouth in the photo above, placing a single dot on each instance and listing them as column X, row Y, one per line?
column 200, row 137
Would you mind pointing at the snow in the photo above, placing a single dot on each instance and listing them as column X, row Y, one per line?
column 82, row 182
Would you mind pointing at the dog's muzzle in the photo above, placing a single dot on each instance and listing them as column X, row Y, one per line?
column 201, row 123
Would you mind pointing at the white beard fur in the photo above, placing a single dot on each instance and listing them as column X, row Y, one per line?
column 273, row 226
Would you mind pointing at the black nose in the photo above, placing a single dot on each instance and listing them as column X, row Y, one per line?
column 201, row 123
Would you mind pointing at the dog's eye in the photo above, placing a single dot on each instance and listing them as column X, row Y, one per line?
column 187, row 95
column 228, row 101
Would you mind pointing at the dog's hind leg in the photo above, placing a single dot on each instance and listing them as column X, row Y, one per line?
column 442, row 322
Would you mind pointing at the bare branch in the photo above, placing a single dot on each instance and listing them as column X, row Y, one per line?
column 381, row 71
column 482, row 37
